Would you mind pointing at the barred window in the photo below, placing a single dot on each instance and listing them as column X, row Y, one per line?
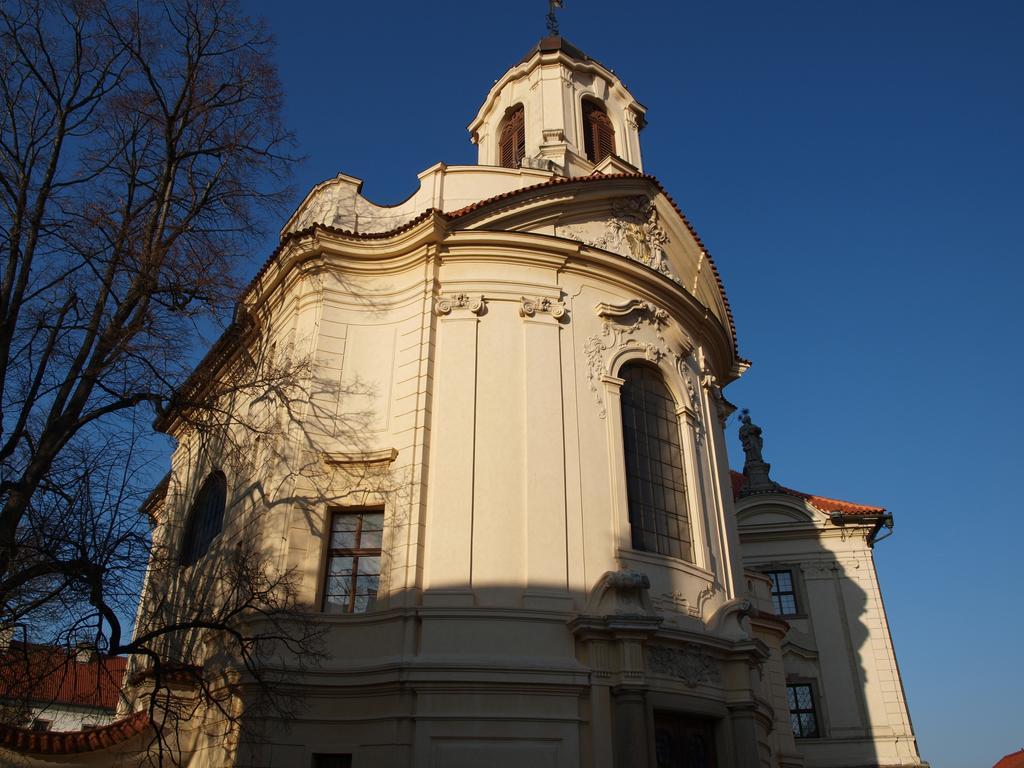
column 598, row 133
column 512, row 144
column 801, row 711
column 353, row 561
column 783, row 592
column 205, row 518
column 654, row 464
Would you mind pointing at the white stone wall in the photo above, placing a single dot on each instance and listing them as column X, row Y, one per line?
column 839, row 640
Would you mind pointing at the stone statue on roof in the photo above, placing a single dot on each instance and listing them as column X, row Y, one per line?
column 750, row 438
column 755, row 468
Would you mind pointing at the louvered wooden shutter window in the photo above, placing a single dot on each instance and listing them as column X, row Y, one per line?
column 598, row 134
column 512, row 145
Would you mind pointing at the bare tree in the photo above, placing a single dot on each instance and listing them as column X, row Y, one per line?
column 141, row 154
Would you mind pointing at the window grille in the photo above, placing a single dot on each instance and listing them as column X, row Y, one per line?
column 801, row 711
column 655, row 482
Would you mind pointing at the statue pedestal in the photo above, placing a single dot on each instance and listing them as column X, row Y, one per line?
column 757, row 477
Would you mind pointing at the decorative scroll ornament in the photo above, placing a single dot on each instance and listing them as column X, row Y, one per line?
column 633, row 232
column 689, row 663
column 443, row 305
column 687, row 366
column 677, row 602
column 618, row 333
column 531, row 307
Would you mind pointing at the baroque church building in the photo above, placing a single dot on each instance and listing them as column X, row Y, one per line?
column 506, row 502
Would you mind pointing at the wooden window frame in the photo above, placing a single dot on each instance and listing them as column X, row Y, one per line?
column 598, row 131
column 514, row 121
column 355, row 552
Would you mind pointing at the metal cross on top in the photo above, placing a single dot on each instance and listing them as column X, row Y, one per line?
column 553, row 5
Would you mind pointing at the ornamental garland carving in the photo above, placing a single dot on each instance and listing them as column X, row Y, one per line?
column 644, row 334
column 633, row 231
column 545, row 306
column 443, row 305
column 688, row 663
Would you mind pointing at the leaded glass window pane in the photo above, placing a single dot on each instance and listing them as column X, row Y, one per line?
column 802, row 717
column 655, row 483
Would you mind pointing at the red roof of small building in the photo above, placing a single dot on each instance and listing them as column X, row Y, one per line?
column 1013, row 760
column 42, row 673
column 72, row 742
column 824, row 503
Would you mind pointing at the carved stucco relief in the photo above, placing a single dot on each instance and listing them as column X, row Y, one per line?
column 688, row 663
column 634, row 324
column 443, row 305
column 530, row 307
column 678, row 602
column 633, row 231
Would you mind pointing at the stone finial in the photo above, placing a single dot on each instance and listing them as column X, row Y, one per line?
column 755, row 467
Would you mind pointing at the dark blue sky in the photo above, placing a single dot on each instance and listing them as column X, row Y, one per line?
column 856, row 170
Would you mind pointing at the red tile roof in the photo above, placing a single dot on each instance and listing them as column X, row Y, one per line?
column 1013, row 760
column 71, row 742
column 559, row 180
column 49, row 675
column 218, row 353
column 824, row 503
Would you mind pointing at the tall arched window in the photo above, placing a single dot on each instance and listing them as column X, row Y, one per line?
column 655, row 481
column 512, row 144
column 598, row 134
column 205, row 518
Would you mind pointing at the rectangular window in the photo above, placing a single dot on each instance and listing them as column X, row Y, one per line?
column 41, row 725
column 353, row 561
column 801, row 711
column 332, row 761
column 783, row 592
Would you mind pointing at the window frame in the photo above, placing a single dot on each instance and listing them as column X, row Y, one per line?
column 688, row 416
column 588, row 106
column 355, row 553
column 515, row 112
column 660, row 514
column 192, row 548
column 815, row 709
column 794, row 590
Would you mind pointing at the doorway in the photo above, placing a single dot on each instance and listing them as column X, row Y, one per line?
column 684, row 741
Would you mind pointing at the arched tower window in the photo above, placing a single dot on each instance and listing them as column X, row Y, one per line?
column 512, row 143
column 205, row 518
column 598, row 134
column 655, row 482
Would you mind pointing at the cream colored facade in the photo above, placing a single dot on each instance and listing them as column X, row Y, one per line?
column 467, row 348
column 838, row 640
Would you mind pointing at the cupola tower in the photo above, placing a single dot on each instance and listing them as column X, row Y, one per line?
column 559, row 110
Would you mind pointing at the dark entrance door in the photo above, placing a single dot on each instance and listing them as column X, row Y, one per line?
column 683, row 741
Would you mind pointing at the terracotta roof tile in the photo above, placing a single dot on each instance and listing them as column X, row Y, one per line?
column 1013, row 760
column 51, row 675
column 72, row 742
column 824, row 503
